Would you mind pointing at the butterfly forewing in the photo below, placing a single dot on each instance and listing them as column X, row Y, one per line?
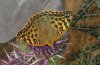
column 45, row 28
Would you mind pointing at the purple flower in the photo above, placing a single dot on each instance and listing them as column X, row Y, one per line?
column 38, row 55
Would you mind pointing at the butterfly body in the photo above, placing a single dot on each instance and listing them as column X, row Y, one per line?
column 45, row 28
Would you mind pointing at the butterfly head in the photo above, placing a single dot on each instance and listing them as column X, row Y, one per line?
column 68, row 15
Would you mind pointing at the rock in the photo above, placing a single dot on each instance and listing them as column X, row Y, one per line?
column 14, row 13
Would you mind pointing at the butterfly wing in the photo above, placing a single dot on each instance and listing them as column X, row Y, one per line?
column 45, row 28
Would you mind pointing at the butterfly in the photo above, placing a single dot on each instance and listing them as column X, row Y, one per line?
column 45, row 28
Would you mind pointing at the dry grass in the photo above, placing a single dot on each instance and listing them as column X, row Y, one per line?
column 80, row 39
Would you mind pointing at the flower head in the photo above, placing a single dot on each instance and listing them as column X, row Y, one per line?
column 34, row 55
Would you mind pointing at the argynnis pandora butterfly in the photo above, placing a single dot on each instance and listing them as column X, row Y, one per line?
column 45, row 28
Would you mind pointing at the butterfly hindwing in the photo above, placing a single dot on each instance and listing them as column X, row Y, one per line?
column 45, row 28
